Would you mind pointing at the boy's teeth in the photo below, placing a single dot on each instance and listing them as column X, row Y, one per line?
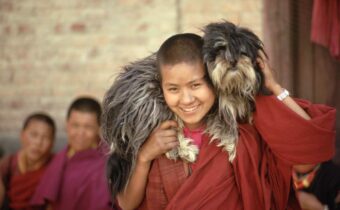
column 190, row 109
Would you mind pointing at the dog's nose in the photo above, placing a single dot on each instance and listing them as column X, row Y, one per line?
column 233, row 63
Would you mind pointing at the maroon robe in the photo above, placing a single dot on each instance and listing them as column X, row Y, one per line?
column 260, row 176
column 20, row 187
column 75, row 183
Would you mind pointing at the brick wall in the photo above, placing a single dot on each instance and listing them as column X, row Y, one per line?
column 53, row 51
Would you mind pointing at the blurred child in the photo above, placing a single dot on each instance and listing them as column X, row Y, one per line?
column 75, row 179
column 318, row 185
column 22, row 171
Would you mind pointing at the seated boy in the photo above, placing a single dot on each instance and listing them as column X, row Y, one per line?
column 22, row 171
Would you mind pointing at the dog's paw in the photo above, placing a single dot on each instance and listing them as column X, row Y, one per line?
column 187, row 150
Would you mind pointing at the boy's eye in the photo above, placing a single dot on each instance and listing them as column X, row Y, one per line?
column 173, row 89
column 33, row 134
column 196, row 85
column 75, row 125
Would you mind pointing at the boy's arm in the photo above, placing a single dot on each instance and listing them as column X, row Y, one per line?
column 289, row 102
column 161, row 140
column 293, row 135
column 276, row 89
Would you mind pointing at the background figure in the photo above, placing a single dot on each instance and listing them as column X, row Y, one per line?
column 318, row 185
column 75, row 179
column 22, row 171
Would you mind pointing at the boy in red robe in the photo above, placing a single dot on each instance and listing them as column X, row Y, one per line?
column 22, row 171
column 75, row 179
column 284, row 132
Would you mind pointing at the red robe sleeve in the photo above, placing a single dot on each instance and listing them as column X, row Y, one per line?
column 262, row 179
column 292, row 138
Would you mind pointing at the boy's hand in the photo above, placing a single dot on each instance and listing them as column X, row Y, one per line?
column 161, row 140
column 269, row 79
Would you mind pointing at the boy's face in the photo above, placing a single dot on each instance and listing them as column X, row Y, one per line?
column 187, row 93
column 37, row 140
column 82, row 130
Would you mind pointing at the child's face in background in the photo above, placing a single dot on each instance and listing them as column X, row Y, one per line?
column 37, row 140
column 187, row 93
column 82, row 130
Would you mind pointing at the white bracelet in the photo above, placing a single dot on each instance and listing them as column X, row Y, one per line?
column 325, row 207
column 283, row 95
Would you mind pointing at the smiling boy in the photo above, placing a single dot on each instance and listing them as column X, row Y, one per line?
column 22, row 171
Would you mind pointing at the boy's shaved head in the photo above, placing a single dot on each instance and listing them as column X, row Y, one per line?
column 179, row 48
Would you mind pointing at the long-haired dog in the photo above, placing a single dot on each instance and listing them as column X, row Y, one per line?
column 132, row 108
column 231, row 54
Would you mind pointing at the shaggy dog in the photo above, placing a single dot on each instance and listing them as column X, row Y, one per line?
column 231, row 53
column 134, row 105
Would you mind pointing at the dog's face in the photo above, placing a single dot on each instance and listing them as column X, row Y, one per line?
column 233, row 78
column 230, row 53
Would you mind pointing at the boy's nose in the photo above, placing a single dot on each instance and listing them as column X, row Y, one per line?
column 187, row 97
column 38, row 140
column 81, row 131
